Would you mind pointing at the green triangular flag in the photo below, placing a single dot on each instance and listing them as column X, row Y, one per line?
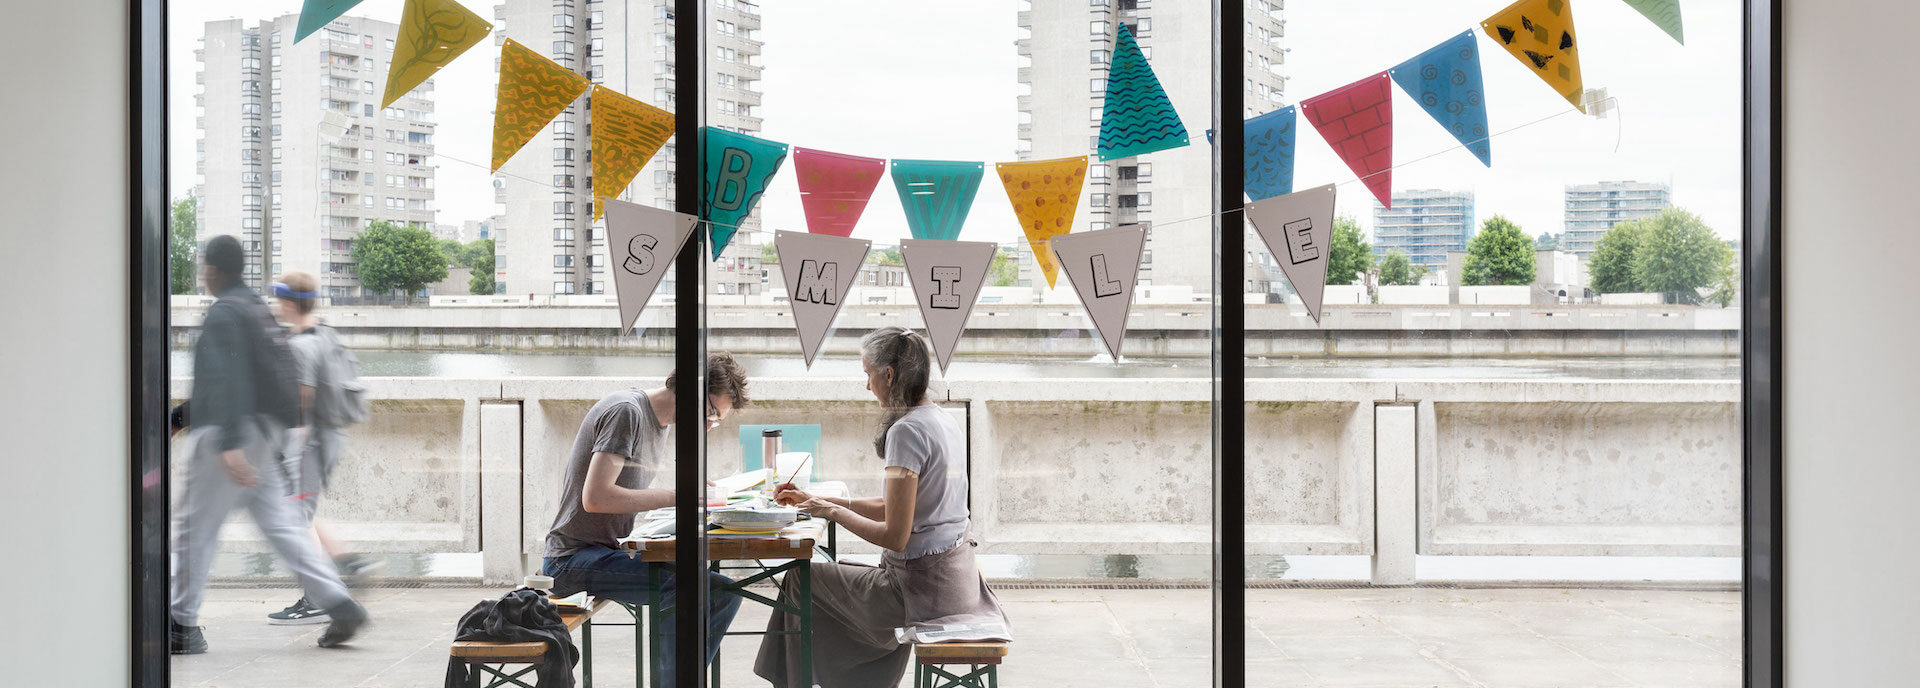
column 1664, row 14
column 317, row 13
column 1138, row 118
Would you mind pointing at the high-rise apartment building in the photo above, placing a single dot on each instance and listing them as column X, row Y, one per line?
column 295, row 155
column 1065, row 48
column 1425, row 224
column 545, row 239
column 1592, row 209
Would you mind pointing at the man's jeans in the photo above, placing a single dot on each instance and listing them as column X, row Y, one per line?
column 610, row 573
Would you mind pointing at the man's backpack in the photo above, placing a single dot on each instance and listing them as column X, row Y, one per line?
column 339, row 398
column 276, row 386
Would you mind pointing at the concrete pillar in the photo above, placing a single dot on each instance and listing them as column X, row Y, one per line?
column 1395, row 524
column 500, row 509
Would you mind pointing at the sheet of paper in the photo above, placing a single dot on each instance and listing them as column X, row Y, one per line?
column 936, row 195
column 533, row 90
column 835, row 188
column 1137, row 117
column 1102, row 265
column 738, row 169
column 1539, row 33
column 317, row 13
column 641, row 241
column 1298, row 231
column 819, row 270
column 432, row 34
column 1269, row 151
column 626, row 134
column 1445, row 81
column 1045, row 196
column 1663, row 13
column 946, row 278
column 1357, row 121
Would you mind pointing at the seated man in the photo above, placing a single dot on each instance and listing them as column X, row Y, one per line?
column 621, row 446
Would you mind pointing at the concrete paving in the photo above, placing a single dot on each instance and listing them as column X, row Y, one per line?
column 1310, row 636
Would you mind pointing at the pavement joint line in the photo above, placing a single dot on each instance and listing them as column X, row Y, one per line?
column 1563, row 646
column 1127, row 641
column 1427, row 653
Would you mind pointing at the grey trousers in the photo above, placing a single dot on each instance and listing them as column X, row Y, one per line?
column 310, row 457
column 209, row 496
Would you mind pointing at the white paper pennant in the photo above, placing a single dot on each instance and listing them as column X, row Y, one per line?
column 641, row 241
column 1102, row 265
column 946, row 278
column 1298, row 230
column 818, row 270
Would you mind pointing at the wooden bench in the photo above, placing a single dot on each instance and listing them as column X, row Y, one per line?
column 482, row 653
column 981, row 659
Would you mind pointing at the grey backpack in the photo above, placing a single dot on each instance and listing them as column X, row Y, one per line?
column 341, row 398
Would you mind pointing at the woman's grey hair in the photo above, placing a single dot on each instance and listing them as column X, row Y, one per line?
column 905, row 352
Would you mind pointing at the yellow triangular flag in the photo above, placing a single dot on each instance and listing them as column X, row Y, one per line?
column 432, row 33
column 626, row 134
column 1045, row 194
column 1539, row 33
column 533, row 90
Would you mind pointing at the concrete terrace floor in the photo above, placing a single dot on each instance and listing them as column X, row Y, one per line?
column 1304, row 636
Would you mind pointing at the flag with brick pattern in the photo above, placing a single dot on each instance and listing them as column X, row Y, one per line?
column 1357, row 121
column 533, row 90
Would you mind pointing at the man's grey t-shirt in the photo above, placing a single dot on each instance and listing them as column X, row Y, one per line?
column 928, row 442
column 622, row 424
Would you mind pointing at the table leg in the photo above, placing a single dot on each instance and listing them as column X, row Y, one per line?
column 713, row 671
column 805, row 603
column 586, row 652
column 639, row 642
column 653, row 647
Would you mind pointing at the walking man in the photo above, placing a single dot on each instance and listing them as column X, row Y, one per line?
column 230, row 449
column 330, row 398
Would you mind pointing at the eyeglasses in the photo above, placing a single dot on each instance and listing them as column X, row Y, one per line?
column 713, row 415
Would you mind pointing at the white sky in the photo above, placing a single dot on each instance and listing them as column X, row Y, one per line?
column 847, row 76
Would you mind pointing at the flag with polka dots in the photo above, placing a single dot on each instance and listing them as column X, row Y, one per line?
column 1045, row 195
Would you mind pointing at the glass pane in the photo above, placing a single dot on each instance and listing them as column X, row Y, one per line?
column 1465, row 473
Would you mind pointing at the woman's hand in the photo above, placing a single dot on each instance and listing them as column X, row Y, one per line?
column 788, row 495
column 817, row 508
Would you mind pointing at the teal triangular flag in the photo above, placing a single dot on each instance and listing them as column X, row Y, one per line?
column 317, row 13
column 1664, row 14
column 936, row 195
column 1445, row 81
column 1138, row 118
column 738, row 170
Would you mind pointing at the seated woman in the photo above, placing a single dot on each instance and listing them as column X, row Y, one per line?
column 928, row 575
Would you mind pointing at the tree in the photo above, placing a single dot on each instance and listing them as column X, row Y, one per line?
column 1611, row 269
column 888, row 256
column 1004, row 271
column 1547, row 242
column 388, row 256
column 181, row 251
column 1500, row 254
column 769, row 256
column 1726, row 287
column 1678, row 255
column 1397, row 269
column 479, row 255
column 1350, row 255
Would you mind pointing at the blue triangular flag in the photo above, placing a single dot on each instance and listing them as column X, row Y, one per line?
column 1269, row 165
column 1137, row 118
column 936, row 194
column 738, row 170
column 317, row 13
column 1445, row 80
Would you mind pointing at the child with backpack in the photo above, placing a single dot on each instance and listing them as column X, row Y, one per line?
column 331, row 398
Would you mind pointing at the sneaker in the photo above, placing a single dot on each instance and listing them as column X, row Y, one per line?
column 185, row 640
column 355, row 570
column 347, row 620
column 299, row 614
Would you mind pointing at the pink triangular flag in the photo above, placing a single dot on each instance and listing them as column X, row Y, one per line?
column 1357, row 120
column 834, row 188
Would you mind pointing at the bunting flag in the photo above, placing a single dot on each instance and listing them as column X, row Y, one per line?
column 1269, row 151
column 936, row 195
column 1357, row 120
column 533, row 90
column 1045, row 195
column 1137, row 117
column 1298, row 231
column 1102, row 265
column 1445, row 80
column 432, row 34
column 818, row 270
column 1663, row 13
column 317, row 13
column 946, row 278
column 1539, row 33
column 737, row 172
column 626, row 134
column 640, row 242
column 835, row 188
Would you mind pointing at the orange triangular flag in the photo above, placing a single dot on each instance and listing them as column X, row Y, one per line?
column 626, row 134
column 432, row 33
column 533, row 90
column 1045, row 195
column 1539, row 33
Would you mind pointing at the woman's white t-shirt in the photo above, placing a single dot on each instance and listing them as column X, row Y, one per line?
column 928, row 442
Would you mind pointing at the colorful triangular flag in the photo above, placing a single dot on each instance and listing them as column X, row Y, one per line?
column 1357, row 120
column 1539, row 33
column 317, row 13
column 1045, row 196
column 1269, row 151
column 818, row 270
column 626, row 134
column 937, row 194
column 835, row 188
column 738, row 170
column 946, row 278
column 1663, row 13
column 1102, row 265
column 1445, row 81
column 533, row 90
column 432, row 34
column 1298, row 231
column 641, row 241
column 1137, row 117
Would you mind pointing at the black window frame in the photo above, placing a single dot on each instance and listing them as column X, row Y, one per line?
column 1763, row 658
